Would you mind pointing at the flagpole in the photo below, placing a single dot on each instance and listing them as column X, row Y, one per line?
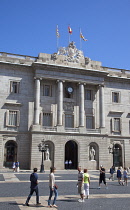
column 57, row 44
column 57, row 38
column 80, row 40
column 80, row 37
column 69, row 33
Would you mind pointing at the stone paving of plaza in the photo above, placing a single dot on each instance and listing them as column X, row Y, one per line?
column 15, row 188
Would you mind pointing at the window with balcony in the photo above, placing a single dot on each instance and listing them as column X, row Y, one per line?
column 89, row 122
column 14, row 86
column 47, row 119
column 69, row 121
column 12, row 118
column 115, row 97
column 88, row 94
column 47, row 90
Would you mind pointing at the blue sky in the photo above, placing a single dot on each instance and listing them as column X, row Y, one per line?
column 28, row 27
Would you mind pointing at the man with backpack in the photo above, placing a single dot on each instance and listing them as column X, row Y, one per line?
column 34, row 187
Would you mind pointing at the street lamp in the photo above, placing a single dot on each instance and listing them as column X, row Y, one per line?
column 112, row 149
column 42, row 148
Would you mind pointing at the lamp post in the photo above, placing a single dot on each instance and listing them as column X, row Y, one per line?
column 42, row 148
column 114, row 149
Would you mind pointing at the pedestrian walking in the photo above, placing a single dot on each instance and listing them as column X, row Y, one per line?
column 119, row 175
column 70, row 164
column 86, row 183
column 102, row 177
column 66, row 164
column 13, row 166
column 125, row 176
column 80, row 184
column 53, row 188
column 112, row 171
column 34, row 187
column 17, row 166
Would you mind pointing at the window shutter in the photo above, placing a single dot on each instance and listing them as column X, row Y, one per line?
column 7, row 117
column 93, row 122
column 41, row 118
column 11, row 86
column 120, row 124
column 18, row 118
column 18, row 86
column 50, row 90
column 112, row 124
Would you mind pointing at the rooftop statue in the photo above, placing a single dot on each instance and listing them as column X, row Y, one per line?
column 71, row 53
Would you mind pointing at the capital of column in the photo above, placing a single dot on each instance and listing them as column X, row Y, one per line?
column 101, row 85
column 57, row 81
column 81, row 83
column 37, row 78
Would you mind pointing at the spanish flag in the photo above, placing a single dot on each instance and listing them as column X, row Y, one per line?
column 82, row 37
column 69, row 30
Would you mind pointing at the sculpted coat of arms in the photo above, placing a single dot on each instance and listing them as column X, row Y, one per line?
column 72, row 54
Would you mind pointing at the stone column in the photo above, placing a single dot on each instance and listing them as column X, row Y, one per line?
column 81, row 105
column 60, row 103
column 37, row 101
column 101, row 105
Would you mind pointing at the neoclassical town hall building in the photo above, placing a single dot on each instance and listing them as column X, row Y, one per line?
column 80, row 108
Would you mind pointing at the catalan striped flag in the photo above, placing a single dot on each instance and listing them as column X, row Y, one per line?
column 82, row 37
column 69, row 30
column 57, row 32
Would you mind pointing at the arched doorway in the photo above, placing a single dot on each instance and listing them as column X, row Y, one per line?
column 10, row 155
column 117, row 155
column 71, row 153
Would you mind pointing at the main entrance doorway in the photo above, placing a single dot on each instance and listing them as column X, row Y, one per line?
column 117, row 155
column 10, row 155
column 71, row 154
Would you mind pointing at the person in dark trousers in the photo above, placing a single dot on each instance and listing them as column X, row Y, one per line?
column 112, row 171
column 102, row 177
column 119, row 175
column 34, row 187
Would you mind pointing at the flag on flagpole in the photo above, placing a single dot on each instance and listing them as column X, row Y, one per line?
column 69, row 30
column 57, row 32
column 82, row 37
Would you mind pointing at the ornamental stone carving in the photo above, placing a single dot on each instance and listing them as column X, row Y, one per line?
column 68, row 106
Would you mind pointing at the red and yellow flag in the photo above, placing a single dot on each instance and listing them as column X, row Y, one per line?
column 82, row 37
column 69, row 30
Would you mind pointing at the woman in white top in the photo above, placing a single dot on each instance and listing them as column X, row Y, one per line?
column 125, row 175
column 53, row 188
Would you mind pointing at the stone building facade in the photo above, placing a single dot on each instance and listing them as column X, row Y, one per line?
column 80, row 108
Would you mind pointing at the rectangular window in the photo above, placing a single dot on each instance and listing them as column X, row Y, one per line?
column 47, row 90
column 14, row 87
column 89, row 122
column 115, row 97
column 117, row 124
column 12, row 118
column 47, row 119
column 88, row 94
column 69, row 121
